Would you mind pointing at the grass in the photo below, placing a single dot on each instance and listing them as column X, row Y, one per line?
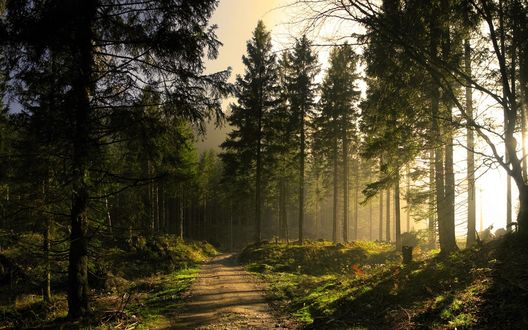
column 364, row 285
column 140, row 283
column 156, row 307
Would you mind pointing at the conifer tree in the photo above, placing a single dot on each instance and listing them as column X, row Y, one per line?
column 256, row 97
column 337, row 120
column 106, row 53
column 301, row 88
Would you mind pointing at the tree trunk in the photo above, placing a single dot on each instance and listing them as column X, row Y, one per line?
column 316, row 214
column 432, row 209
column 397, row 213
column 301, row 179
column 81, row 89
column 523, row 89
column 182, row 206
column 258, row 184
column 471, row 220
column 231, row 247
column 334, row 214
column 108, row 216
column 407, row 191
column 356, row 200
column 387, row 217
column 46, row 248
column 371, row 219
column 345, row 188
column 446, row 226
column 380, row 229
column 522, row 218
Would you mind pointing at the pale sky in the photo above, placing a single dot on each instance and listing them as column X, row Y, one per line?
column 236, row 20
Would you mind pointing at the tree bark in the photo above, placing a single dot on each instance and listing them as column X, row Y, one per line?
column 407, row 191
column 397, row 213
column 471, row 220
column 356, row 200
column 81, row 89
column 380, row 228
column 432, row 209
column 345, row 187
column 523, row 91
column 301, row 177
column 334, row 214
column 387, row 217
column 446, row 227
column 46, row 248
column 182, row 206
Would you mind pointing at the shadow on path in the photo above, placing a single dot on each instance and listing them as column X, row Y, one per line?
column 225, row 296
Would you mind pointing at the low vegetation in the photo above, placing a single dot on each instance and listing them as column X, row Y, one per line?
column 135, row 284
column 364, row 284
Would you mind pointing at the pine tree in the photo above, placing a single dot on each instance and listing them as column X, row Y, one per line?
column 301, row 88
column 106, row 54
column 256, row 95
column 337, row 120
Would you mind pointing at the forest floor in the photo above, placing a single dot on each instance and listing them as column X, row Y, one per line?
column 365, row 285
column 134, row 285
column 225, row 296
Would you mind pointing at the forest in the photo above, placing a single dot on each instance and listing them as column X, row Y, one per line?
column 348, row 186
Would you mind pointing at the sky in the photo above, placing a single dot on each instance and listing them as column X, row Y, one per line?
column 236, row 20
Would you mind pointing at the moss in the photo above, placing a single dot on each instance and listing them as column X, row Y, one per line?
column 364, row 284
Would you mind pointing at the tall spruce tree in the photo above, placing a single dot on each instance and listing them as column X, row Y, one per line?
column 256, row 97
column 301, row 86
column 337, row 121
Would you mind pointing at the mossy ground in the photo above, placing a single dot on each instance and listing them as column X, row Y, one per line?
column 364, row 285
column 139, row 284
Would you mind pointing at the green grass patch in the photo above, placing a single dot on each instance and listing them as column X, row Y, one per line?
column 160, row 304
column 138, row 281
column 364, row 285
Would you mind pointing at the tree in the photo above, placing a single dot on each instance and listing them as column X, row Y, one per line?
column 106, row 53
column 337, row 120
column 256, row 95
column 449, row 75
column 301, row 87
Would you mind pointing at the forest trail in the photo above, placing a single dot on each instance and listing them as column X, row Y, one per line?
column 225, row 296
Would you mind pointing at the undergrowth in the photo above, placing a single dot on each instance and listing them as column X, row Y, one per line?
column 134, row 283
column 365, row 285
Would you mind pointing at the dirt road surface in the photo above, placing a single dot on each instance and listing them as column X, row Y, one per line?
column 225, row 296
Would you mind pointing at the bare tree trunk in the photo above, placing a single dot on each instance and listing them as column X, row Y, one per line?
column 316, row 215
column 334, row 214
column 108, row 216
column 513, row 71
column 471, row 221
column 407, row 191
column 380, row 234
column 182, row 206
column 371, row 219
column 397, row 213
column 231, row 247
column 81, row 90
column 356, row 200
column 301, row 179
column 387, row 217
column 432, row 209
column 345, row 188
column 523, row 89
column 380, row 228
column 46, row 245
column 446, row 224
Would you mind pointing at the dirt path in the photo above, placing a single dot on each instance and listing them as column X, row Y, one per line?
column 225, row 296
